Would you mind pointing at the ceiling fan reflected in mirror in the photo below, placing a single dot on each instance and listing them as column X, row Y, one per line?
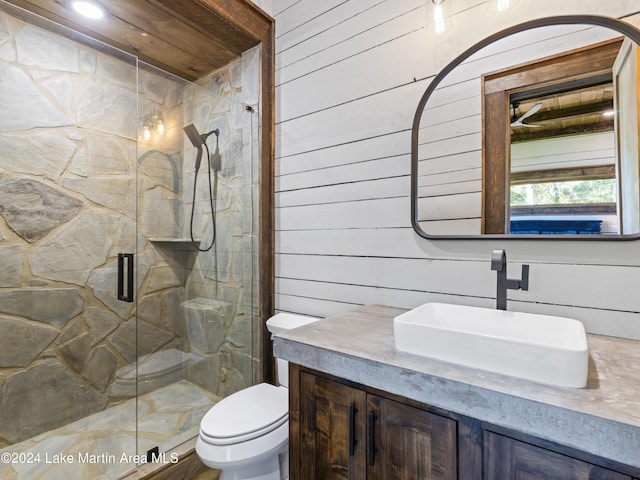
column 519, row 122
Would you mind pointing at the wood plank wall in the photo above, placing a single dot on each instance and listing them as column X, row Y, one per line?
column 349, row 74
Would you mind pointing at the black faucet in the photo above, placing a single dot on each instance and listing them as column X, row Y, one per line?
column 499, row 263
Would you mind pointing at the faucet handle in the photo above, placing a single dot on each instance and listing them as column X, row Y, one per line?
column 524, row 280
column 498, row 260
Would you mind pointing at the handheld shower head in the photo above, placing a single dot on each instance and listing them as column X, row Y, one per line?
column 194, row 136
column 197, row 139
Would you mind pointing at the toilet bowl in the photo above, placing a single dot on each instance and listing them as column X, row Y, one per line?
column 246, row 435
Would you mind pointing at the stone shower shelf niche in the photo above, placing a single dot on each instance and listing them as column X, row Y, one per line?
column 175, row 243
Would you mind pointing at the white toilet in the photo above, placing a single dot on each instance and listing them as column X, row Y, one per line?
column 246, row 435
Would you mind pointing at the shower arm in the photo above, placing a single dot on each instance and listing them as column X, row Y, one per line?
column 215, row 132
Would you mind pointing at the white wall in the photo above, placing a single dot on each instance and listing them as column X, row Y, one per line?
column 266, row 5
column 349, row 77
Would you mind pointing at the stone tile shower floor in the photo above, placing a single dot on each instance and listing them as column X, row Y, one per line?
column 103, row 445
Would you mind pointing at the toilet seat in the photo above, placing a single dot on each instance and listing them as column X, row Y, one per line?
column 248, row 414
column 238, row 455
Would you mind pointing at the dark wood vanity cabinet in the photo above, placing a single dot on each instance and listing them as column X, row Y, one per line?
column 507, row 458
column 406, row 442
column 343, row 431
column 330, row 426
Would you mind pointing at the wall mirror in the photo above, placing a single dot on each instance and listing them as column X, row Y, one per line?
column 533, row 133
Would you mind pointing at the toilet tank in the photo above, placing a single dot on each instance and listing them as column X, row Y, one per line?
column 282, row 322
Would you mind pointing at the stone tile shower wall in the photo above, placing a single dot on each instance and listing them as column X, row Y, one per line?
column 69, row 178
column 217, row 302
column 67, row 182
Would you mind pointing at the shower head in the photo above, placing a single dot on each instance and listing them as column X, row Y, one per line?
column 196, row 139
column 194, row 136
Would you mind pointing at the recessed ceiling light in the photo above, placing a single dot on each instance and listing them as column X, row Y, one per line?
column 88, row 9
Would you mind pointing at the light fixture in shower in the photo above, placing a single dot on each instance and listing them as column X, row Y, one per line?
column 151, row 126
column 88, row 9
column 146, row 133
column 159, row 123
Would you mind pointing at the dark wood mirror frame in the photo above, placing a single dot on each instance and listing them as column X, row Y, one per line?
column 614, row 24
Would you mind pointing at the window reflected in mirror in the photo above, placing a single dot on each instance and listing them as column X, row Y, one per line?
column 561, row 155
column 562, row 159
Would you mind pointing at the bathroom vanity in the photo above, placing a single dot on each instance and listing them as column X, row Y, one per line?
column 359, row 409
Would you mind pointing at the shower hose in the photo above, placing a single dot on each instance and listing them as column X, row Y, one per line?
column 193, row 203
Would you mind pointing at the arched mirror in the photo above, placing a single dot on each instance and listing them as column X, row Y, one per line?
column 533, row 133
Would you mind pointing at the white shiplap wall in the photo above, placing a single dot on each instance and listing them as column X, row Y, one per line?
column 266, row 5
column 349, row 77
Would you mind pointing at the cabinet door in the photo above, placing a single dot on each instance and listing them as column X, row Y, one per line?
column 333, row 431
column 406, row 443
column 509, row 459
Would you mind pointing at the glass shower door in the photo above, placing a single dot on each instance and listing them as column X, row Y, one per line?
column 196, row 248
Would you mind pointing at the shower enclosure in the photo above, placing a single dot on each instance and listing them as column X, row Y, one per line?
column 117, row 333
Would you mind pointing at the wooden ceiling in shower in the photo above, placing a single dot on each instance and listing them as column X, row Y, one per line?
column 189, row 38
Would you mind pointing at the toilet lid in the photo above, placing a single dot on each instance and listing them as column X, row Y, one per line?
column 247, row 414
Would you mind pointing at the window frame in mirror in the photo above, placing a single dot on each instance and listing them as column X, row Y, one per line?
column 584, row 65
column 613, row 23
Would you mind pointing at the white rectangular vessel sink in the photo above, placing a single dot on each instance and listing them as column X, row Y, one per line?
column 542, row 348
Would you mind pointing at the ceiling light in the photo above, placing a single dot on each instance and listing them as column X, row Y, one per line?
column 438, row 17
column 500, row 5
column 88, row 9
column 441, row 16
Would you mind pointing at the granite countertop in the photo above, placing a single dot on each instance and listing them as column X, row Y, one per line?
column 602, row 419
